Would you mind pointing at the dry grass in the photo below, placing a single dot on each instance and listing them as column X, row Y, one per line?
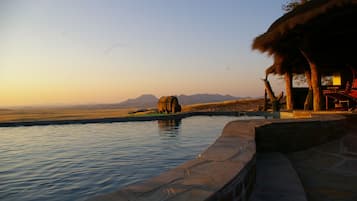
column 21, row 115
column 18, row 115
column 234, row 105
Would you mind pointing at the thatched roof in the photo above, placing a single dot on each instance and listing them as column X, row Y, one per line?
column 292, row 62
column 324, row 28
column 299, row 16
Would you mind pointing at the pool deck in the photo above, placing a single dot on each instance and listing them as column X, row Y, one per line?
column 274, row 172
column 329, row 172
column 323, row 173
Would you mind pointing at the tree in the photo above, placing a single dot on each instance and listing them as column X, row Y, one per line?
column 289, row 6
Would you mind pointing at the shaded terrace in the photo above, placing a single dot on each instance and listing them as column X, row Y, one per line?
column 316, row 38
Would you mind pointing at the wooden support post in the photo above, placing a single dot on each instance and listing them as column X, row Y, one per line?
column 265, row 107
column 288, row 90
column 315, row 83
column 316, row 86
column 308, row 100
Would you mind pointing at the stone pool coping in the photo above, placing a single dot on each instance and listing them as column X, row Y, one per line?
column 227, row 169
column 132, row 118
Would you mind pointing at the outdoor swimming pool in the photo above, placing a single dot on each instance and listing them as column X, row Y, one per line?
column 76, row 162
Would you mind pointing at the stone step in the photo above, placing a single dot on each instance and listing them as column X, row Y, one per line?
column 276, row 180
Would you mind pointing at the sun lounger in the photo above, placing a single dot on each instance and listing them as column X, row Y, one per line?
column 344, row 99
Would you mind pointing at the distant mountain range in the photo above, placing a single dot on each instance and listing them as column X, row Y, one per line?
column 143, row 101
column 148, row 100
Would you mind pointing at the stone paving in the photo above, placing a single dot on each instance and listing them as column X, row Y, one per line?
column 276, row 179
column 329, row 172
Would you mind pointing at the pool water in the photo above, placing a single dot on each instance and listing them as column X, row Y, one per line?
column 76, row 162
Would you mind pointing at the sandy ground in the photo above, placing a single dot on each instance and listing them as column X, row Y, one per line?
column 226, row 106
column 18, row 115
column 50, row 114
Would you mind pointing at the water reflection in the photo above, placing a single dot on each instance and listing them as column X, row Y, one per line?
column 170, row 127
column 77, row 162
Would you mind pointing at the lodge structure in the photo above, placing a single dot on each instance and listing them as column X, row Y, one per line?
column 317, row 39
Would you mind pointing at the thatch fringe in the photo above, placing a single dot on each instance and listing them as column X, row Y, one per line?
column 301, row 15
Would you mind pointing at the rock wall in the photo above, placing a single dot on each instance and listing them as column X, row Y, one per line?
column 295, row 135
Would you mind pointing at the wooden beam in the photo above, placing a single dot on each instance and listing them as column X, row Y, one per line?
column 288, row 90
column 308, row 100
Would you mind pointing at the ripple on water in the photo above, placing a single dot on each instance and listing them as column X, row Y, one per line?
column 75, row 162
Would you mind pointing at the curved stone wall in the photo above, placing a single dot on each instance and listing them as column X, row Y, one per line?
column 295, row 135
column 227, row 169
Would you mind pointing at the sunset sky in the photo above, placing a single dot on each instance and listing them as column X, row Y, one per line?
column 86, row 51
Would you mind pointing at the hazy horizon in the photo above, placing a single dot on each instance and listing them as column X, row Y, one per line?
column 94, row 52
column 59, row 105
